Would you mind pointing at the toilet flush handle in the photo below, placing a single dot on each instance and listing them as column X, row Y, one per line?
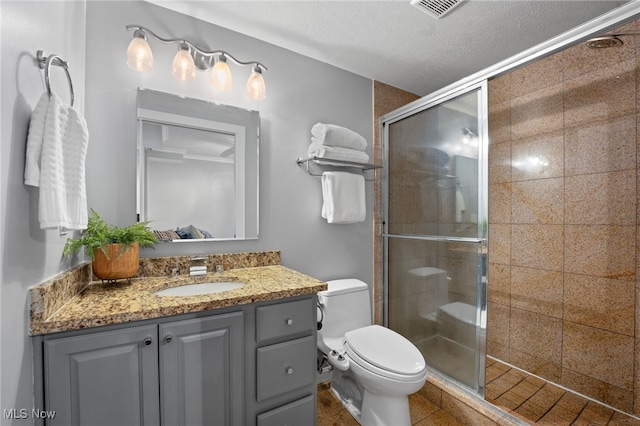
column 289, row 321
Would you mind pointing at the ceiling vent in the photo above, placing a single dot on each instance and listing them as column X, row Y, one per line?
column 436, row 8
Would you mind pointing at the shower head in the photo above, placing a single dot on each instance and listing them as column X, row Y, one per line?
column 604, row 42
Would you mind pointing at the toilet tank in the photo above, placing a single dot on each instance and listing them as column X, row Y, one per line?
column 344, row 306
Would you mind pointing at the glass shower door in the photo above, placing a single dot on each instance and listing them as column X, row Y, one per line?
column 435, row 233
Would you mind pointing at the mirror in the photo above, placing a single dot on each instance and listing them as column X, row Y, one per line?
column 197, row 168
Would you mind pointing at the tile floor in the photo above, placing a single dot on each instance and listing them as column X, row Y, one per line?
column 529, row 398
column 423, row 412
column 541, row 403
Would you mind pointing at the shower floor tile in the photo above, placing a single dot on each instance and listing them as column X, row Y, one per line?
column 538, row 402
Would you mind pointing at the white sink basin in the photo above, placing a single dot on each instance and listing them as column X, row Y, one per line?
column 199, row 289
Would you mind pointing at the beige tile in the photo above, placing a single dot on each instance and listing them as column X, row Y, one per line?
column 537, row 75
column 601, row 198
column 636, row 398
column 432, row 393
column 499, row 284
column 563, row 413
column 600, row 302
column 439, row 418
column 500, row 203
column 500, row 89
column 538, row 157
column 537, row 246
column 552, row 419
column 498, row 323
column 601, row 146
column 595, row 414
column 500, row 162
column 603, row 251
column 536, row 334
column 498, row 350
column 581, row 59
column 620, row 419
column 537, row 112
column 499, row 121
column 462, row 412
column 538, row 201
column 525, row 389
column 420, row 408
column 572, row 403
column 537, row 290
column 603, row 392
column 500, row 244
column 601, row 94
column 599, row 354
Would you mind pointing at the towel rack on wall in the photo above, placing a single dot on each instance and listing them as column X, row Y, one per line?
column 322, row 162
column 45, row 62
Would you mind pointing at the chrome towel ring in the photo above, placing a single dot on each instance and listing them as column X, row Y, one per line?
column 46, row 62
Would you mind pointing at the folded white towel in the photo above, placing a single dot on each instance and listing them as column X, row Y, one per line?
column 56, row 152
column 333, row 135
column 343, row 196
column 337, row 153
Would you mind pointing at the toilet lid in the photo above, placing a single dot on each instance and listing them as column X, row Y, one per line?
column 386, row 349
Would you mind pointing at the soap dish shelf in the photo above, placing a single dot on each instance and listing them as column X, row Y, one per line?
column 322, row 163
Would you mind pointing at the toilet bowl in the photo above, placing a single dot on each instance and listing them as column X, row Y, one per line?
column 375, row 368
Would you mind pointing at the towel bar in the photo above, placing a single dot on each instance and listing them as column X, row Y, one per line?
column 335, row 163
column 46, row 62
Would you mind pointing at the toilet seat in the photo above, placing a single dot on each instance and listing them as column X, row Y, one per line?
column 385, row 352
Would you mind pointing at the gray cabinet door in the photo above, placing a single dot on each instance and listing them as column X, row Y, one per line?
column 107, row 378
column 201, row 371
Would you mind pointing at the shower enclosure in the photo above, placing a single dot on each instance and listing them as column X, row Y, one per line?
column 435, row 230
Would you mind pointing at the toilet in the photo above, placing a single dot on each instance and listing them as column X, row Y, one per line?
column 374, row 368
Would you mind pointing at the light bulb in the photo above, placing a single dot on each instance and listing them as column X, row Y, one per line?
column 221, row 75
column 183, row 67
column 255, row 85
column 139, row 56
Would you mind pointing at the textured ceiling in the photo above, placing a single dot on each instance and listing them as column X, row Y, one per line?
column 392, row 41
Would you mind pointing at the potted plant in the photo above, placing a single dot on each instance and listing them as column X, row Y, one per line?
column 114, row 250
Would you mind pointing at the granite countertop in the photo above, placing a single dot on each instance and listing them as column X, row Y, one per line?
column 101, row 304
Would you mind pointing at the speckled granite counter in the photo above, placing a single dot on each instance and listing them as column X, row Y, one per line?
column 101, row 304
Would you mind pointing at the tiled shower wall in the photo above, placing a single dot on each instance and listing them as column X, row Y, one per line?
column 385, row 99
column 563, row 221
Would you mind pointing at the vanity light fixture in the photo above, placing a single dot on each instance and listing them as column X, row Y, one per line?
column 189, row 57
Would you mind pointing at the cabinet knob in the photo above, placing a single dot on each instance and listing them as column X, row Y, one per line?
column 168, row 339
column 289, row 369
column 289, row 321
column 147, row 341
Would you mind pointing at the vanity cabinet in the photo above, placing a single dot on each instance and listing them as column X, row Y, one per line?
column 245, row 365
column 201, row 370
column 106, row 378
column 285, row 359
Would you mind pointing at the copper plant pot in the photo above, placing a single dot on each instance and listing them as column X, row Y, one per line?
column 116, row 266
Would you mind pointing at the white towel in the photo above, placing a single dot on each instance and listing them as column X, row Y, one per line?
column 333, row 135
column 337, row 153
column 56, row 152
column 343, row 196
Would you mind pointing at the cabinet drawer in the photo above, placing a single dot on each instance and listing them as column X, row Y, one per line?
column 300, row 412
column 284, row 319
column 285, row 366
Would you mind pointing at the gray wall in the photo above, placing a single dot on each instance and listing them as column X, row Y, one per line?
column 300, row 92
column 29, row 255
